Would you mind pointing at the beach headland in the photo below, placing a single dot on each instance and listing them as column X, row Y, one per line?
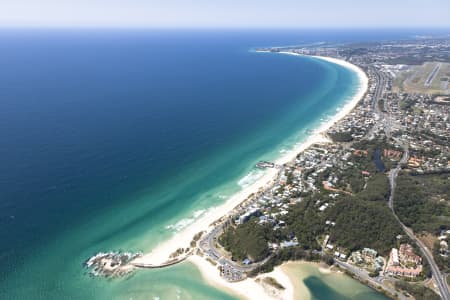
column 249, row 288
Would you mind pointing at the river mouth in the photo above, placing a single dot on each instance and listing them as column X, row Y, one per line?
column 313, row 283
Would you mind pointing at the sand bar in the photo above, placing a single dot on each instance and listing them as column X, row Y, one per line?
column 251, row 288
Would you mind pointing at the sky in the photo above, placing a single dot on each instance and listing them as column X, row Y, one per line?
column 225, row 13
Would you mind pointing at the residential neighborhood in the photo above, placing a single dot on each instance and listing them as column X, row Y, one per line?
column 390, row 131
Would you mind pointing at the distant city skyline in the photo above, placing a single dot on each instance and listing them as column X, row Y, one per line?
column 225, row 14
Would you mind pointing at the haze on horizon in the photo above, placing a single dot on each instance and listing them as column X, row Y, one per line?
column 225, row 14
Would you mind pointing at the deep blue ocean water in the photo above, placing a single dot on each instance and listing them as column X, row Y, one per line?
column 116, row 139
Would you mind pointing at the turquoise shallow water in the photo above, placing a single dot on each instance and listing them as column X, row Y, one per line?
column 315, row 285
column 117, row 140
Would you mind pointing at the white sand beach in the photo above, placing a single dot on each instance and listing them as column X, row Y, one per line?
column 251, row 288
column 183, row 238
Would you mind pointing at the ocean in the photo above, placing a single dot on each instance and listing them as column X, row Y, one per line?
column 117, row 139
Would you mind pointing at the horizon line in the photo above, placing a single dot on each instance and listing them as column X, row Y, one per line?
column 136, row 26
column 144, row 27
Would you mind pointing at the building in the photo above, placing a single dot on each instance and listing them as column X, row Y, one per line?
column 404, row 262
column 356, row 257
column 404, row 272
column 379, row 263
column 287, row 244
column 407, row 255
column 393, row 257
column 369, row 253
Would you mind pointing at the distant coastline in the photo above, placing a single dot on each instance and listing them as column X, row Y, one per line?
column 183, row 239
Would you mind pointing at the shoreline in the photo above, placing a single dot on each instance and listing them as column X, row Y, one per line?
column 182, row 239
column 250, row 288
column 300, row 290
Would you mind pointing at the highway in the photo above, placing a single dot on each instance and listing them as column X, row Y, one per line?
column 386, row 122
column 439, row 278
column 377, row 94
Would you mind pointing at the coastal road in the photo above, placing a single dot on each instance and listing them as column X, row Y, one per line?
column 208, row 246
column 373, row 282
column 439, row 278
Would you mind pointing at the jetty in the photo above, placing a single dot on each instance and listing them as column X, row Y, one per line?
column 163, row 265
column 265, row 164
